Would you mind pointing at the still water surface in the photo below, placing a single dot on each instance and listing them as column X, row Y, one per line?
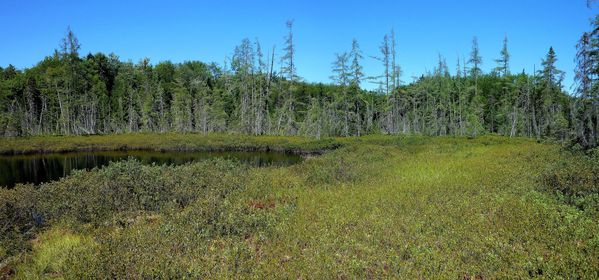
column 38, row 168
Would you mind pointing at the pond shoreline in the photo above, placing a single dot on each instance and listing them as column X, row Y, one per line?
column 303, row 153
column 45, row 167
column 301, row 146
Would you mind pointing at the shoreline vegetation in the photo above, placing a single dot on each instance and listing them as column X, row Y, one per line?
column 370, row 207
column 304, row 146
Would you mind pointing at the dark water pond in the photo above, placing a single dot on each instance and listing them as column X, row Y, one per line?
column 40, row 168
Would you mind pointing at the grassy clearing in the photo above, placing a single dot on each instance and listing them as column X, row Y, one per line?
column 379, row 207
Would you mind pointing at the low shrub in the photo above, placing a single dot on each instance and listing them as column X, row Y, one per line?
column 350, row 164
column 114, row 195
column 575, row 179
column 129, row 186
column 18, row 218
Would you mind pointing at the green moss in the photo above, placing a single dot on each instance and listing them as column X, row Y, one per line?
column 51, row 250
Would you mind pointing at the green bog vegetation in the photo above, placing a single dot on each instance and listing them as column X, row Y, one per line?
column 410, row 207
column 431, row 179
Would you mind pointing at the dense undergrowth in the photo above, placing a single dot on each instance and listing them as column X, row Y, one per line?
column 378, row 207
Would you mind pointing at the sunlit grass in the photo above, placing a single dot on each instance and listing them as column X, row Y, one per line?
column 378, row 207
column 472, row 211
column 51, row 250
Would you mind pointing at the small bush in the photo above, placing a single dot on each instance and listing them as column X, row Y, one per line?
column 18, row 218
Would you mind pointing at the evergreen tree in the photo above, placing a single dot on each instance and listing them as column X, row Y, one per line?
column 503, row 63
column 476, row 111
column 287, row 111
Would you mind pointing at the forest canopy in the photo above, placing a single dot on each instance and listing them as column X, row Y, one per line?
column 252, row 93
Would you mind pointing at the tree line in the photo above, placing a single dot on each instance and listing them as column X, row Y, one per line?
column 255, row 92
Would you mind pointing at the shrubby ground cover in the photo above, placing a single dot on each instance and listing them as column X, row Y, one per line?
column 374, row 207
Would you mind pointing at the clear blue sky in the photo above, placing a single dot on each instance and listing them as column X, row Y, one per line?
column 209, row 30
